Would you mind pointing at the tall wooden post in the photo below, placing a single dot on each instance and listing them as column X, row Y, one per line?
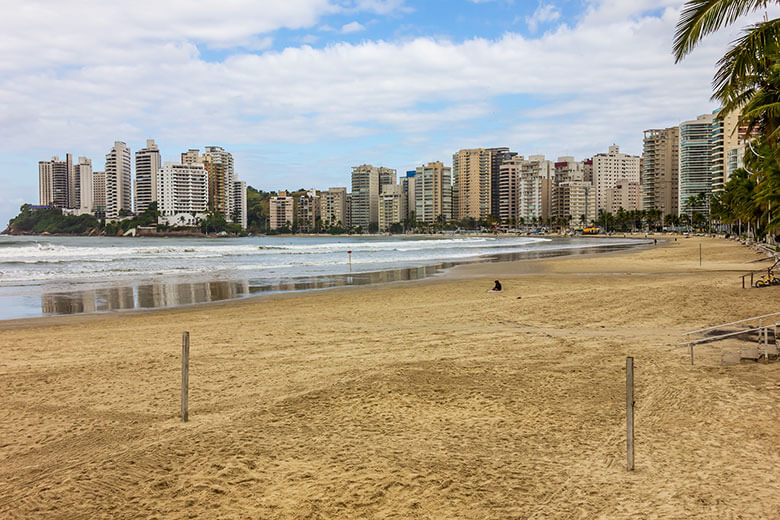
column 185, row 376
column 699, row 255
column 691, row 347
column 630, row 414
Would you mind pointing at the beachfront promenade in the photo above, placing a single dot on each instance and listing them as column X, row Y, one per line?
column 430, row 399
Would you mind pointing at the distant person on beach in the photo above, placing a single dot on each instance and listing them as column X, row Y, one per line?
column 496, row 288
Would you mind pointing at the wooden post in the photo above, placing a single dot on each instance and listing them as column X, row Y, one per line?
column 751, row 279
column 691, row 346
column 630, row 414
column 185, row 376
column 766, row 344
column 699, row 255
column 743, row 281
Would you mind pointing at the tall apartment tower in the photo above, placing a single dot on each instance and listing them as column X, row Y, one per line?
column 433, row 192
column 99, row 192
column 46, row 183
column 695, row 161
column 239, row 203
column 535, row 188
column 661, row 170
column 219, row 164
column 118, row 180
column 609, row 168
column 147, row 162
column 333, row 206
column 509, row 189
column 497, row 157
column 472, row 183
column 56, row 184
column 83, row 170
column 308, row 211
column 408, row 194
column 281, row 210
column 389, row 206
column 366, row 181
column 725, row 137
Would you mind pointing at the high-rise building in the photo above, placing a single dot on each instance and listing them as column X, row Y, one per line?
column 497, row 157
column 191, row 156
column 535, row 189
column 472, row 184
column 573, row 198
column 348, row 211
column 695, row 161
column 433, row 192
column 281, row 210
column 408, row 194
column 609, row 168
column 182, row 193
column 46, row 183
column 99, row 192
column 55, row 182
column 661, row 170
column 308, row 211
column 624, row 194
column 333, row 206
column 239, row 203
column 147, row 162
column 366, row 181
column 725, row 136
column 83, row 170
column 219, row 164
column 509, row 189
column 389, row 206
column 118, row 181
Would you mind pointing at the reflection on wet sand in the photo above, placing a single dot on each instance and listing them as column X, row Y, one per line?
column 151, row 295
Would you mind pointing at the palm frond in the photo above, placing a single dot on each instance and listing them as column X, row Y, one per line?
column 702, row 17
column 743, row 66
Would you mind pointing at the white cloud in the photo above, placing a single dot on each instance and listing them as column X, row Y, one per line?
column 71, row 81
column 544, row 13
column 352, row 27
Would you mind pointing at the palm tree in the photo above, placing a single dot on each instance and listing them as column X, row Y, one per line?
column 745, row 79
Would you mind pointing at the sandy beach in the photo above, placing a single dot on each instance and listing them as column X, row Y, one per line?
column 431, row 399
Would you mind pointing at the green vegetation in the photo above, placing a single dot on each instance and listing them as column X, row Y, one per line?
column 747, row 81
column 51, row 220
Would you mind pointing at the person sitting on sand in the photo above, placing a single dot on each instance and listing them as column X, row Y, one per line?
column 496, row 288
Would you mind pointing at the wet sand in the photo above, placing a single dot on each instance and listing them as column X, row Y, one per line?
column 428, row 399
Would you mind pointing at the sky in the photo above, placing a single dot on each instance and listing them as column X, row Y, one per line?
column 302, row 90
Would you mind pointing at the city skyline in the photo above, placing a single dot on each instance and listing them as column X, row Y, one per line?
column 350, row 84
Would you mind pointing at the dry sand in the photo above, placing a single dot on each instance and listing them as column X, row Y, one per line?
column 430, row 399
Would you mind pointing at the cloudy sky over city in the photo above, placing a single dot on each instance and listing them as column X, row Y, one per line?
column 302, row 90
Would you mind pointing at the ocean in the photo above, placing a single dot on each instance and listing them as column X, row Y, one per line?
column 48, row 275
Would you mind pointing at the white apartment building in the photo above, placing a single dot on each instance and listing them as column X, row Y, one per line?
column 182, row 194
column 83, row 170
column 609, row 168
column 118, row 181
column 509, row 189
column 147, row 162
column 534, row 189
column 239, row 203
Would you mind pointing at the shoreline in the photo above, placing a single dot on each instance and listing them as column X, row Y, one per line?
column 304, row 284
column 432, row 399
